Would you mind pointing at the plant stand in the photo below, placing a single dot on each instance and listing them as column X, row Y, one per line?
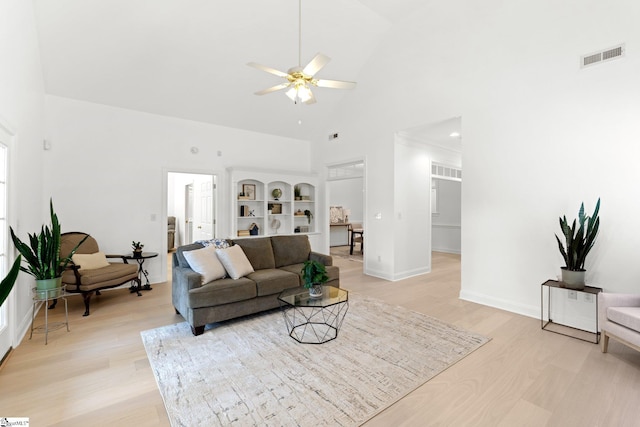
column 42, row 298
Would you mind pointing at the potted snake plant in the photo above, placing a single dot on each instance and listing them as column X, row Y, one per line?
column 314, row 275
column 7, row 283
column 579, row 238
column 42, row 254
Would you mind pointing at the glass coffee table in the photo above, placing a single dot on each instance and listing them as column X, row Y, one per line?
column 314, row 320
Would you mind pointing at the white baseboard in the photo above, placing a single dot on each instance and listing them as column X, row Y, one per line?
column 502, row 304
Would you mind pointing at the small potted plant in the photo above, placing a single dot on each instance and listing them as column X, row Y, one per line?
column 309, row 215
column 42, row 254
column 314, row 275
column 137, row 248
column 297, row 192
column 578, row 242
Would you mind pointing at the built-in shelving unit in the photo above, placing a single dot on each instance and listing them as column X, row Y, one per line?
column 268, row 204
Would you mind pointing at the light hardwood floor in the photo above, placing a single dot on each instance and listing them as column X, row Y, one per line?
column 98, row 374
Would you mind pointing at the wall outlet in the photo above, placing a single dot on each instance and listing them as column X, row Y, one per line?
column 588, row 297
column 572, row 295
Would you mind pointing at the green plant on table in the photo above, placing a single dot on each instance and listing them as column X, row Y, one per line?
column 313, row 273
column 579, row 238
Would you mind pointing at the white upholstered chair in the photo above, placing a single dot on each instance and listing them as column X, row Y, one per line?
column 619, row 318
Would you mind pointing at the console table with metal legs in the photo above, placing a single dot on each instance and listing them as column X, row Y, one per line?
column 588, row 294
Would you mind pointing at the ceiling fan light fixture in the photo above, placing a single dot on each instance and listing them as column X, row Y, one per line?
column 299, row 92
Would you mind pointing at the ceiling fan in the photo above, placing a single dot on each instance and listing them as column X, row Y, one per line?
column 300, row 79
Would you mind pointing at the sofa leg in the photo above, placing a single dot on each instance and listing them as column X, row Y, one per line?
column 177, row 312
column 86, row 296
column 197, row 330
column 53, row 304
column 605, row 342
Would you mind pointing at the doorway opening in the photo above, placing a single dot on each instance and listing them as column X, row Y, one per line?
column 191, row 209
column 346, row 196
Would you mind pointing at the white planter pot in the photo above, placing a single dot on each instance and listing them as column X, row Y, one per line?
column 573, row 279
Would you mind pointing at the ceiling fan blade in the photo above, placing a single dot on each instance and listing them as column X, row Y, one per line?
column 268, row 69
column 336, row 84
column 316, row 64
column 273, row 88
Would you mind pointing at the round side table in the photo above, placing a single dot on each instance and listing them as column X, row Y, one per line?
column 141, row 271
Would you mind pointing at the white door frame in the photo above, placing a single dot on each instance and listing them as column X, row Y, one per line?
column 8, row 314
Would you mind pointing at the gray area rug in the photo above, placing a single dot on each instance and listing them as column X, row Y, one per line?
column 250, row 372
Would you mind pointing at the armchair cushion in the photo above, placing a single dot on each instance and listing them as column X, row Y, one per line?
column 90, row 261
column 625, row 316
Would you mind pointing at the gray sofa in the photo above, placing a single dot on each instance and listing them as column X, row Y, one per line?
column 277, row 262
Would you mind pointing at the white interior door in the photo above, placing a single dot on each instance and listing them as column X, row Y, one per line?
column 6, row 310
column 203, row 218
column 188, row 213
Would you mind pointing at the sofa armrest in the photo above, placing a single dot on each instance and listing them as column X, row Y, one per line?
column 183, row 280
column 326, row 260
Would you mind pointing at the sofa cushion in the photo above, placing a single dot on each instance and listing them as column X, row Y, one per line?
column 90, row 261
column 289, row 250
column 625, row 316
column 332, row 271
column 182, row 262
column 222, row 291
column 258, row 251
column 271, row 281
column 206, row 262
column 235, row 261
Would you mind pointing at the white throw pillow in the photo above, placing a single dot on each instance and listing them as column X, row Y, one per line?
column 235, row 261
column 90, row 261
column 206, row 262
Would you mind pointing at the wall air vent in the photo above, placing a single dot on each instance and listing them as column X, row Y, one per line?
column 602, row 56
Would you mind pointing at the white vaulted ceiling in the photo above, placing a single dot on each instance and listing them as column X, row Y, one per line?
column 187, row 58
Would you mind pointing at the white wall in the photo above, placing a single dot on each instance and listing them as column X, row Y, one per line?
column 21, row 110
column 401, row 87
column 446, row 223
column 412, row 215
column 541, row 136
column 109, row 165
column 348, row 193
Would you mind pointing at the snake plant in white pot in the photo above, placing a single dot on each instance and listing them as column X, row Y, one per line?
column 579, row 239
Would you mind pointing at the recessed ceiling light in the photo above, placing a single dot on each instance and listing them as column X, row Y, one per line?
column 454, row 135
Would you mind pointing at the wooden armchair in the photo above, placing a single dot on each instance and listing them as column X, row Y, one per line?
column 96, row 273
